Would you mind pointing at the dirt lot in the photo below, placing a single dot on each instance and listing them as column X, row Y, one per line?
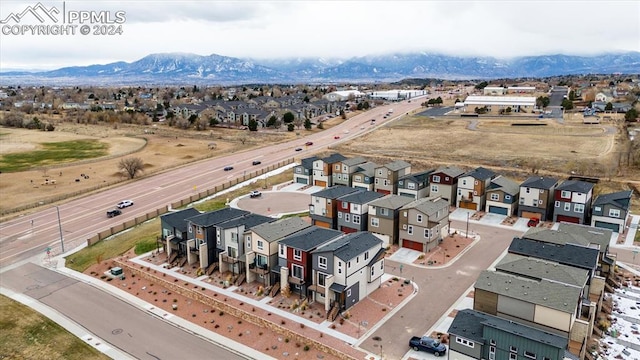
column 160, row 147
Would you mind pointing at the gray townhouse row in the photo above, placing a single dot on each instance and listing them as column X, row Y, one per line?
column 319, row 264
column 480, row 189
column 542, row 299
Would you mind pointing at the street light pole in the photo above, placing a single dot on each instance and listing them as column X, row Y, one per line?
column 60, row 228
column 466, row 234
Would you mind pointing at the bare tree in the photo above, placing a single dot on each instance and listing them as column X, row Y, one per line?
column 131, row 166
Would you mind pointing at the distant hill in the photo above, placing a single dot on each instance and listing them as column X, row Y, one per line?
column 183, row 68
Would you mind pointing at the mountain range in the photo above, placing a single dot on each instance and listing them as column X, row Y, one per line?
column 184, row 68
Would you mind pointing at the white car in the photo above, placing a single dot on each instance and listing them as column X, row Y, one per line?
column 124, row 203
column 255, row 194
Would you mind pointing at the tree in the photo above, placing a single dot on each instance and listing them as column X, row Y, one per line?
column 572, row 95
column 366, row 105
column 272, row 121
column 482, row 85
column 609, row 106
column 298, row 123
column 542, row 101
column 253, row 125
column 567, row 104
column 131, row 166
column 288, row 117
column 307, row 124
column 290, row 127
column 631, row 115
column 306, row 99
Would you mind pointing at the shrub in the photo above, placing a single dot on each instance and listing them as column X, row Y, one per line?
column 306, row 348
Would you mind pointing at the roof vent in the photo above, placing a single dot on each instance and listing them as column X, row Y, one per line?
column 544, row 298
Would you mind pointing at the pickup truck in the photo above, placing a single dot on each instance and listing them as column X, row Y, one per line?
column 427, row 344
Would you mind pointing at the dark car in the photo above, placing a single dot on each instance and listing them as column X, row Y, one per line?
column 298, row 149
column 533, row 222
column 427, row 344
column 114, row 212
column 256, row 162
column 308, row 143
column 228, row 168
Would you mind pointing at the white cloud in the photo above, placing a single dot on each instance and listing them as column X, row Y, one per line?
column 261, row 29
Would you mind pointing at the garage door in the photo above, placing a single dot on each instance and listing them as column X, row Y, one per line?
column 606, row 225
column 467, row 205
column 323, row 224
column 569, row 219
column 498, row 210
column 302, row 181
column 413, row 245
column 381, row 191
column 531, row 215
column 320, row 183
column 347, row 230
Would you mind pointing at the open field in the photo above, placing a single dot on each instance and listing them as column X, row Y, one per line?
column 25, row 334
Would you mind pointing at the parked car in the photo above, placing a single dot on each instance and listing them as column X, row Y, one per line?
column 533, row 222
column 255, row 194
column 337, row 137
column 308, row 143
column 256, row 162
column 427, row 344
column 298, row 149
column 114, row 212
column 124, row 203
column 228, row 168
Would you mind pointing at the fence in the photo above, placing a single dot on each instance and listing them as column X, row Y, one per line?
column 186, row 201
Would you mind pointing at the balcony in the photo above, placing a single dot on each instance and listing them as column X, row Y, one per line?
column 229, row 259
column 295, row 280
column 259, row 269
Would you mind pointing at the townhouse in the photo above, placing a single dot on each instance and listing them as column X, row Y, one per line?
column 262, row 248
column 536, row 198
column 295, row 259
column 353, row 210
column 174, row 231
column 423, row 223
column 502, row 196
column 230, row 241
column 384, row 214
column 343, row 170
column 476, row 335
column 572, row 201
column 323, row 169
column 364, row 176
column 415, row 185
column 386, row 176
column 472, row 187
column 323, row 209
column 303, row 173
column 444, row 183
column 611, row 211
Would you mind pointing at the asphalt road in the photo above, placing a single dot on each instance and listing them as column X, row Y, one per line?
column 23, row 237
column 120, row 324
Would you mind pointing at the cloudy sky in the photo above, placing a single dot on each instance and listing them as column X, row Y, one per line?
column 309, row 28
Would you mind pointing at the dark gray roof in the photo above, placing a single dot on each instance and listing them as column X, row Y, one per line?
column 550, row 294
column 308, row 162
column 358, row 243
column 480, row 173
column 542, row 269
column 361, row 197
column 391, row 201
column 469, row 324
column 310, row 238
column 335, row 192
column 567, row 233
column 354, row 161
column 576, row 186
column 539, row 182
column 367, row 168
column 504, row 184
column 396, row 165
column 216, row 217
column 176, row 219
column 273, row 231
column 569, row 254
column 248, row 221
column 620, row 199
column 452, row 171
column 428, row 206
column 417, row 177
column 334, row 158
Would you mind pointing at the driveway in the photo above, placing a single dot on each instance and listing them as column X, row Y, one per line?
column 273, row 203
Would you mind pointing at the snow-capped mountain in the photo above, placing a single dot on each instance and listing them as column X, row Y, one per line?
column 181, row 68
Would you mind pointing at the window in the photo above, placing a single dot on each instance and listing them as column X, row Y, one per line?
column 337, row 167
column 384, row 211
column 260, row 244
column 297, row 271
column 347, row 218
column 521, row 201
column 465, row 342
column 322, row 262
column 492, row 342
column 459, row 192
column 513, row 349
column 495, row 197
column 427, row 233
column 373, row 272
column 598, row 209
column 404, row 213
column 436, row 179
column 507, row 197
column 357, row 178
column 492, row 353
column 513, row 356
column 434, row 188
column 410, row 230
column 401, row 182
column 386, row 182
column 464, row 182
column 530, row 355
column 298, row 170
column 322, row 279
column 339, row 215
column 190, row 230
column 376, row 181
column 356, row 219
column 565, row 194
column 375, row 222
column 282, row 251
column 419, row 218
column 579, row 208
column 348, row 292
column 614, row 213
column 411, row 186
column 567, row 206
column 297, row 254
column 345, row 205
column 366, row 256
column 557, row 204
column 349, row 265
column 528, row 190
